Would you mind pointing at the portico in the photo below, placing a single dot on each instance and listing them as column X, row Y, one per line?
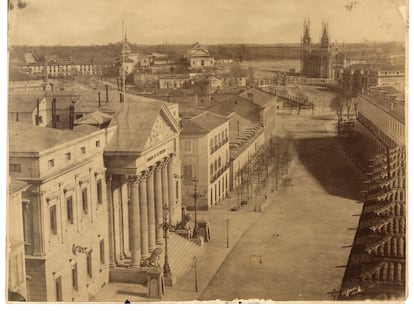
column 142, row 163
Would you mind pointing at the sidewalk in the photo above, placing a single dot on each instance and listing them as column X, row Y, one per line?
column 209, row 264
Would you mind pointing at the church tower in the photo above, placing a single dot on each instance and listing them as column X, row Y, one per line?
column 325, row 36
column 306, row 47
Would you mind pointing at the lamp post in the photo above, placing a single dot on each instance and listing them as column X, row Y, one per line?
column 195, row 273
column 196, row 195
column 166, row 227
column 227, row 222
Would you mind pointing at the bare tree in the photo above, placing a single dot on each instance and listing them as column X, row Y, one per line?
column 241, row 52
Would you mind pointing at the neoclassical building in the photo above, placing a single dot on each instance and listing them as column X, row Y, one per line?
column 143, row 182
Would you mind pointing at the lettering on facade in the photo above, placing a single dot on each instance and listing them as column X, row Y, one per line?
column 155, row 155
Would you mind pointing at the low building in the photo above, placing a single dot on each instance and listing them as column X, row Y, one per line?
column 255, row 106
column 204, row 146
column 199, row 57
column 246, row 140
column 176, row 81
column 357, row 77
column 66, row 232
column 46, row 109
column 381, row 116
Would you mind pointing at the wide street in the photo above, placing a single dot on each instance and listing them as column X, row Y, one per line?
column 293, row 250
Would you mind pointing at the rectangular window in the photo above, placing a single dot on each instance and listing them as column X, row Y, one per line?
column 187, row 146
column 219, row 162
column 211, row 169
column 57, row 118
column 188, row 173
column 98, row 143
column 68, row 156
column 99, row 191
column 83, row 150
column 58, row 285
column 75, row 276
column 89, row 263
column 51, row 163
column 85, row 200
column 102, row 251
column 53, row 220
column 69, row 209
column 15, row 167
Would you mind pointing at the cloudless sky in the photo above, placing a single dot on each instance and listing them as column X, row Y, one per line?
column 80, row 22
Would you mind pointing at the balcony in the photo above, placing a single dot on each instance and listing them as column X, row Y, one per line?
column 217, row 146
column 219, row 172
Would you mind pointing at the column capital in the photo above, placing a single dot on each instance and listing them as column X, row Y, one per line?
column 151, row 170
column 132, row 179
column 160, row 165
column 143, row 176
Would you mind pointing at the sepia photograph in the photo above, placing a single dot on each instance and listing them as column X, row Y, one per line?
column 220, row 151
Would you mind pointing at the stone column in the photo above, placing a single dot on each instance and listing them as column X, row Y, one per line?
column 38, row 243
column 158, row 203
column 151, row 210
column 110, row 220
column 135, row 221
column 125, row 217
column 143, row 213
column 171, row 189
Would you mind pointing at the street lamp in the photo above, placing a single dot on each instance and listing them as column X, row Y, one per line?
column 196, row 195
column 166, row 227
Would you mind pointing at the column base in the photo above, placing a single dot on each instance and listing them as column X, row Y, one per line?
column 160, row 242
column 170, row 280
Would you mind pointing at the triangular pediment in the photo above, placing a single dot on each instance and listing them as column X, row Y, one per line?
column 161, row 131
column 199, row 53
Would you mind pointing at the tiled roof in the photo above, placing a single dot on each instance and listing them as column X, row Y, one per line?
column 240, row 105
column 385, row 99
column 94, row 118
column 377, row 262
column 257, row 97
column 203, row 123
column 135, row 120
column 24, row 137
column 24, row 101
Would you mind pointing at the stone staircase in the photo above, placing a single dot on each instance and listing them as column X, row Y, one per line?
column 180, row 254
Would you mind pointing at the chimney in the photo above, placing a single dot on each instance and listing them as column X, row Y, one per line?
column 37, row 111
column 99, row 99
column 71, row 117
column 54, row 113
column 107, row 95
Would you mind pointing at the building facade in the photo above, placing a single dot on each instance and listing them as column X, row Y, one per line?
column 65, row 226
column 199, row 57
column 204, row 148
column 381, row 116
column 16, row 281
column 143, row 170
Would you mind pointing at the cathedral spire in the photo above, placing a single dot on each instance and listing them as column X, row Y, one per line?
column 325, row 36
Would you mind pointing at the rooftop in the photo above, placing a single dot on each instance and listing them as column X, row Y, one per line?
column 257, row 97
column 24, row 101
column 202, row 123
column 40, row 138
column 388, row 99
column 135, row 120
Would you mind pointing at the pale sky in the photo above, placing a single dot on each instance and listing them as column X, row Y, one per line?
column 82, row 22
